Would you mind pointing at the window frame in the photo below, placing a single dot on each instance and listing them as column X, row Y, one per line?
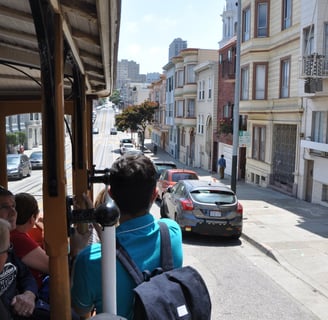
column 284, row 85
column 267, row 18
column 244, row 92
column 287, row 15
column 255, row 89
column 258, row 145
column 246, row 24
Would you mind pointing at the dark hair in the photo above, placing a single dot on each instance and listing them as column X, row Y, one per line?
column 132, row 180
column 5, row 192
column 26, row 207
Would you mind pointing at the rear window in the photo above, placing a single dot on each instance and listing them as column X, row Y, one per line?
column 184, row 176
column 162, row 167
column 213, row 197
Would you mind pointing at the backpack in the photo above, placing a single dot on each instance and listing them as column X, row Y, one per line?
column 167, row 293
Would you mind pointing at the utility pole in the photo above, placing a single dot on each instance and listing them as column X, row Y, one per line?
column 235, row 140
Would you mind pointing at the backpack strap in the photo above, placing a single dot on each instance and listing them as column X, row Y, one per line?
column 128, row 264
column 166, row 251
column 166, row 255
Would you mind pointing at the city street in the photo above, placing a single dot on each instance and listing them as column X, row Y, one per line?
column 245, row 280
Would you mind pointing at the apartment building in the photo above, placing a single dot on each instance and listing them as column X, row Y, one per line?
column 206, row 74
column 185, row 96
column 313, row 158
column 269, row 92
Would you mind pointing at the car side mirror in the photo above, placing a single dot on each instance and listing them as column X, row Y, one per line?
column 169, row 189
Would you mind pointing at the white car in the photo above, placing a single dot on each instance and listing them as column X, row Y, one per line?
column 126, row 147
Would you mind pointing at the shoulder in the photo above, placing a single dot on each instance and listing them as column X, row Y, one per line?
column 22, row 243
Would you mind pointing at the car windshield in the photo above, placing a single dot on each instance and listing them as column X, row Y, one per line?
column 183, row 176
column 13, row 160
column 213, row 196
column 36, row 156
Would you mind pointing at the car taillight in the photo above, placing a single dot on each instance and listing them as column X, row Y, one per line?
column 239, row 208
column 187, row 204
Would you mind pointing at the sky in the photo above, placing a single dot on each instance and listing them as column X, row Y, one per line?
column 149, row 26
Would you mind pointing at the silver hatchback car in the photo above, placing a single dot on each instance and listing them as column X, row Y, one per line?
column 204, row 207
column 18, row 166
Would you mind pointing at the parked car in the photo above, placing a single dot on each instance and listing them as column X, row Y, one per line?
column 113, row 131
column 127, row 147
column 36, row 160
column 125, row 141
column 18, row 166
column 203, row 207
column 95, row 130
column 170, row 177
column 162, row 165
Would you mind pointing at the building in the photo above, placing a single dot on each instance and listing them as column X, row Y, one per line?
column 312, row 174
column 206, row 116
column 269, row 92
column 229, row 22
column 185, row 95
column 176, row 46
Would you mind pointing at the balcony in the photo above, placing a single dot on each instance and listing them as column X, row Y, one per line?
column 316, row 148
column 314, row 66
column 185, row 121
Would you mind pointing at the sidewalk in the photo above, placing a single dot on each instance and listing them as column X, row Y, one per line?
column 292, row 232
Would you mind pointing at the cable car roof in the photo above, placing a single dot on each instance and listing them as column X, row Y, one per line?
column 91, row 29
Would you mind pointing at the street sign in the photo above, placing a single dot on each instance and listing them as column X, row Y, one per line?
column 244, row 139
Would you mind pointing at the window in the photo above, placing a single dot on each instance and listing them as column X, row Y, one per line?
column 244, row 83
column 179, row 109
column 200, row 126
column 179, row 79
column 201, row 90
column 246, row 31
column 258, row 148
column 210, row 88
column 324, row 195
column 183, row 137
column 284, row 78
column 262, row 15
column 308, row 37
column 227, row 110
column 190, row 108
column 260, row 81
column 190, row 76
column 286, row 14
column 320, row 126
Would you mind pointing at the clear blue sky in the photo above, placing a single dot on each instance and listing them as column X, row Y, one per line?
column 149, row 26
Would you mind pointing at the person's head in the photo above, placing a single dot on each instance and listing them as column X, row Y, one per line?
column 27, row 209
column 132, row 180
column 4, row 241
column 7, row 207
column 222, row 156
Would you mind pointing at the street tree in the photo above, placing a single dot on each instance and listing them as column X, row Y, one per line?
column 136, row 118
column 116, row 97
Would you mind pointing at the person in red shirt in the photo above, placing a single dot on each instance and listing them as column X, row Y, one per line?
column 26, row 248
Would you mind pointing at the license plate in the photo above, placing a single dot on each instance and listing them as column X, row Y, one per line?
column 215, row 213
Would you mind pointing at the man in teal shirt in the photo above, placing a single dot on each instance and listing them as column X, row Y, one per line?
column 133, row 187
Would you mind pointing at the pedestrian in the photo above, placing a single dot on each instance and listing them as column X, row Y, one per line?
column 222, row 166
column 132, row 185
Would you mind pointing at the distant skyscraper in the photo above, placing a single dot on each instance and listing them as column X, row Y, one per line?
column 229, row 21
column 176, row 46
column 127, row 71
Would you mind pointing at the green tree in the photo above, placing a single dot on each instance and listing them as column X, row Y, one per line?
column 21, row 137
column 116, row 97
column 136, row 118
column 11, row 140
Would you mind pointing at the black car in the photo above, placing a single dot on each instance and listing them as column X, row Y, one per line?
column 204, row 207
column 162, row 165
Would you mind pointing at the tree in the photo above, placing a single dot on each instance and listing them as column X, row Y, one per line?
column 11, row 140
column 136, row 118
column 116, row 97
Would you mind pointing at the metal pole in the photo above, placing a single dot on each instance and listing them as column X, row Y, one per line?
column 236, row 104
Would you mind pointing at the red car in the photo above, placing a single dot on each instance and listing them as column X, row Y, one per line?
column 170, row 177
